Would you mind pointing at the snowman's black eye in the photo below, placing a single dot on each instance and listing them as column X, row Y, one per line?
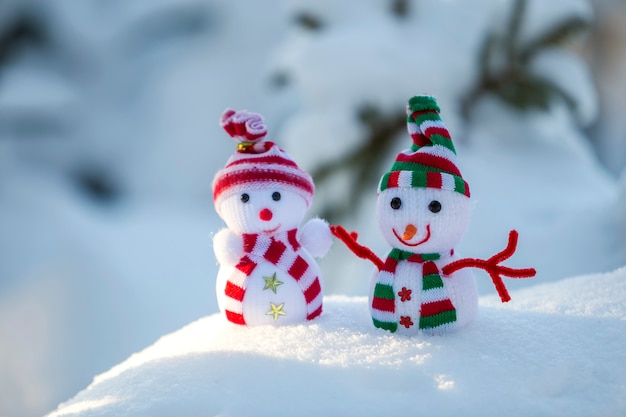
column 434, row 206
column 275, row 196
column 396, row 203
column 245, row 198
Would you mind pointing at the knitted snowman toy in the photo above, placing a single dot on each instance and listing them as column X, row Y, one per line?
column 267, row 272
column 423, row 210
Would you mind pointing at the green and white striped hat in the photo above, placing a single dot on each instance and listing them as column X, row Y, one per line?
column 431, row 160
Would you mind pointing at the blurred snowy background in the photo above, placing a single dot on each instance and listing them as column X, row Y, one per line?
column 109, row 142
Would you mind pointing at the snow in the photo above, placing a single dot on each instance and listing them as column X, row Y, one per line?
column 31, row 87
column 540, row 15
column 388, row 65
column 91, row 285
column 115, row 92
column 572, row 78
column 556, row 349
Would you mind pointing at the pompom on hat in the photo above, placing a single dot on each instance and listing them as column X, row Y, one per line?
column 257, row 163
column 431, row 160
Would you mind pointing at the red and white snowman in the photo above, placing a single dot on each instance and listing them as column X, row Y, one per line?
column 267, row 273
column 423, row 210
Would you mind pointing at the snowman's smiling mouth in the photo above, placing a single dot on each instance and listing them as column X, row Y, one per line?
column 413, row 244
column 271, row 231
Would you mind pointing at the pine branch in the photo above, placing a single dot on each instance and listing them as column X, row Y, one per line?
column 516, row 83
column 555, row 36
column 511, row 39
column 26, row 29
column 400, row 8
column 309, row 21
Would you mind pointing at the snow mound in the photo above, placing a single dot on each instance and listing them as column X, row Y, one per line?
column 556, row 349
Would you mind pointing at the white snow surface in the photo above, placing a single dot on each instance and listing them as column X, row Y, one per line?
column 96, row 282
column 556, row 349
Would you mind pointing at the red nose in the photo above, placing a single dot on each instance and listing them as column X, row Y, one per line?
column 265, row 215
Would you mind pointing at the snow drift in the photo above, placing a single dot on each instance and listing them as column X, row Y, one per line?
column 556, row 349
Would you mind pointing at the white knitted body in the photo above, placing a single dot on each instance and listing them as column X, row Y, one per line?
column 257, row 299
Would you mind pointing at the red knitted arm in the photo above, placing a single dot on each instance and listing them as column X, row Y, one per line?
column 493, row 268
column 349, row 239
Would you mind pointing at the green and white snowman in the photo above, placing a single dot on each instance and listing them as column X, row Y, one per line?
column 423, row 210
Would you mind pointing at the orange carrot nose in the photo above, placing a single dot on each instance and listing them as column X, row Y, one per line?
column 409, row 232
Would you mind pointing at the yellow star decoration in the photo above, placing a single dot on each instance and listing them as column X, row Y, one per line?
column 276, row 311
column 271, row 283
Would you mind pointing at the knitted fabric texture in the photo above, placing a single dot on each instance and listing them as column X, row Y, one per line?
column 437, row 313
column 431, row 160
column 280, row 250
column 257, row 164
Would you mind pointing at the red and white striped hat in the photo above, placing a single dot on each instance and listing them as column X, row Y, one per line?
column 431, row 160
column 257, row 163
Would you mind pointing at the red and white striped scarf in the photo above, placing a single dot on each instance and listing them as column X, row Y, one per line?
column 281, row 250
